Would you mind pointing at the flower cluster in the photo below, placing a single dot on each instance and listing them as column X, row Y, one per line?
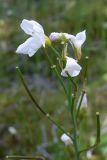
column 38, row 39
column 69, row 68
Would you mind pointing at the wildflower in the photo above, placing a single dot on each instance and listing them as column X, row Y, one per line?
column 37, row 39
column 72, row 67
column 77, row 42
column 84, row 103
column 66, row 139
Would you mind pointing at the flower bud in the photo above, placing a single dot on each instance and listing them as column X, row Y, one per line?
column 47, row 41
column 61, row 37
column 66, row 139
column 54, row 36
column 84, row 103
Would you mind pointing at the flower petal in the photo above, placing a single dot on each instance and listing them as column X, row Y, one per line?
column 81, row 37
column 34, row 29
column 69, row 36
column 72, row 67
column 30, row 46
column 30, row 26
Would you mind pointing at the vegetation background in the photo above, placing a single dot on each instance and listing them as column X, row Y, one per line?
column 35, row 135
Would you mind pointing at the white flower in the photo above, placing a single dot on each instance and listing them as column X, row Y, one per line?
column 72, row 67
column 77, row 41
column 84, row 103
column 66, row 139
column 37, row 39
column 12, row 130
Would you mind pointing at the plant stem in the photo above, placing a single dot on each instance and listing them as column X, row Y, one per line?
column 79, row 105
column 97, row 136
column 85, row 73
column 73, row 115
column 56, row 72
column 72, row 112
column 75, row 142
column 55, row 51
column 38, row 106
column 75, row 137
column 73, row 82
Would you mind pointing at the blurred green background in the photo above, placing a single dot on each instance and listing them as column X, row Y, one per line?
column 34, row 134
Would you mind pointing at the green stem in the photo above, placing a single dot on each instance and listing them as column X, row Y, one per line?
column 55, row 51
column 86, row 67
column 56, row 72
column 98, row 127
column 73, row 82
column 79, row 105
column 75, row 142
column 97, row 136
column 37, row 105
column 69, row 94
column 61, row 81
column 85, row 72
column 73, row 116
column 75, row 137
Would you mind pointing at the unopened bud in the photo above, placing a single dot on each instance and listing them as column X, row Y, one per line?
column 54, row 36
column 47, row 41
column 84, row 103
column 66, row 139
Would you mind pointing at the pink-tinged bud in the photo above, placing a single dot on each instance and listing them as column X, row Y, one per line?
column 54, row 36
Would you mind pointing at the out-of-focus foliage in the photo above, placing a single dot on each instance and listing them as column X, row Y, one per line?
column 34, row 133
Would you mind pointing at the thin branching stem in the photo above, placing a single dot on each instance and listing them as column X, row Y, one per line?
column 73, row 116
column 73, row 82
column 75, row 142
column 38, row 106
column 56, row 72
column 97, row 135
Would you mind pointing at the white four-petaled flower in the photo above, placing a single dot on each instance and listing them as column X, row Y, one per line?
column 71, row 67
column 37, row 39
column 66, row 139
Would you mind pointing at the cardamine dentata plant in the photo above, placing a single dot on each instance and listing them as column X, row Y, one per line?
column 68, row 68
